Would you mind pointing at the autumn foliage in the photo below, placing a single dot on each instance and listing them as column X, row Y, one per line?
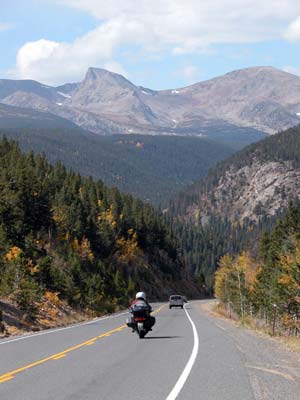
column 235, row 281
column 268, row 287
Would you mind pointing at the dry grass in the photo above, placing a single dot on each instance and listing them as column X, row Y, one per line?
column 219, row 310
column 257, row 325
column 292, row 342
column 53, row 313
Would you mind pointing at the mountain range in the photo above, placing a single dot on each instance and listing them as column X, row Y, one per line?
column 153, row 143
column 247, row 102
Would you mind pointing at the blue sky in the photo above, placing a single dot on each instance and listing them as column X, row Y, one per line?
column 158, row 44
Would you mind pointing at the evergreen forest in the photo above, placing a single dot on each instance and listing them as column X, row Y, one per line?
column 203, row 243
column 91, row 246
column 152, row 168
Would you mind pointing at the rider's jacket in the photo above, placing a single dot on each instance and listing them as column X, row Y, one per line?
column 140, row 303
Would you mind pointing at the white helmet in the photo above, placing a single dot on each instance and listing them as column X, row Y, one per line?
column 140, row 295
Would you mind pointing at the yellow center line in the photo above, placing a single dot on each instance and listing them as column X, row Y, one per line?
column 158, row 310
column 8, row 378
column 57, row 356
column 91, row 342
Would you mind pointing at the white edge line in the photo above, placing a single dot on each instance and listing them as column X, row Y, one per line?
column 187, row 370
column 55, row 330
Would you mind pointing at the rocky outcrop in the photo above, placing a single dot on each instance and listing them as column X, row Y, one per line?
column 249, row 192
column 257, row 182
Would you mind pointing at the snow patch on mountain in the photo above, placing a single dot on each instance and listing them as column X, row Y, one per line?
column 67, row 96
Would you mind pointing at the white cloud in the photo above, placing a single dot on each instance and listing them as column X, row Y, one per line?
column 292, row 70
column 156, row 27
column 293, row 30
column 33, row 52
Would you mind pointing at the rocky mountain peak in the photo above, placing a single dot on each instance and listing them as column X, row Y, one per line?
column 102, row 76
column 252, row 71
column 261, row 75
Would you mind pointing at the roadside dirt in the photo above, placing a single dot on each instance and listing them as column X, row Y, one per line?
column 290, row 342
column 50, row 315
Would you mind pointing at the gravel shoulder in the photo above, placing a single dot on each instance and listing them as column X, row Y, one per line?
column 273, row 368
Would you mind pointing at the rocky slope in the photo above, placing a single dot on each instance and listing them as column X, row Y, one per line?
column 262, row 97
column 252, row 100
column 258, row 181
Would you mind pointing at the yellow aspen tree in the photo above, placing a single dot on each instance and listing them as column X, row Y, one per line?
column 222, row 278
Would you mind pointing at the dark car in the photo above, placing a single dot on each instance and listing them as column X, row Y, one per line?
column 176, row 301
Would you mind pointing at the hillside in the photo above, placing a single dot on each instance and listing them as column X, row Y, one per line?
column 265, row 288
column 243, row 196
column 88, row 245
column 243, row 102
column 255, row 182
column 19, row 118
column 153, row 168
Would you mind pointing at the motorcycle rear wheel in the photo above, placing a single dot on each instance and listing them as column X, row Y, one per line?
column 142, row 334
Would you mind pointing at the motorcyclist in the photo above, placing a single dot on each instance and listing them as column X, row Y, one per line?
column 141, row 301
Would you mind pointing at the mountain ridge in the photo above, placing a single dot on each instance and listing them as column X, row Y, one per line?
column 254, row 183
column 263, row 99
column 153, row 168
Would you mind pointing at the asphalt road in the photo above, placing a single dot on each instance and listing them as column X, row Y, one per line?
column 188, row 355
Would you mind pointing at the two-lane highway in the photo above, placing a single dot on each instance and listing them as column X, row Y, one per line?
column 104, row 360
column 186, row 356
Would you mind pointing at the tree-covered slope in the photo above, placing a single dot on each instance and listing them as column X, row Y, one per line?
column 72, row 236
column 19, row 118
column 258, row 180
column 153, row 168
column 241, row 197
column 266, row 286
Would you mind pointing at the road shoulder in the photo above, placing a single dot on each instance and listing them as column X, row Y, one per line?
column 274, row 370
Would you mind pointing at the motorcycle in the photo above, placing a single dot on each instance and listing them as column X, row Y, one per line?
column 141, row 321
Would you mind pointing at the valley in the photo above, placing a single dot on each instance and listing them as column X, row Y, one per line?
column 149, row 200
column 153, row 168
